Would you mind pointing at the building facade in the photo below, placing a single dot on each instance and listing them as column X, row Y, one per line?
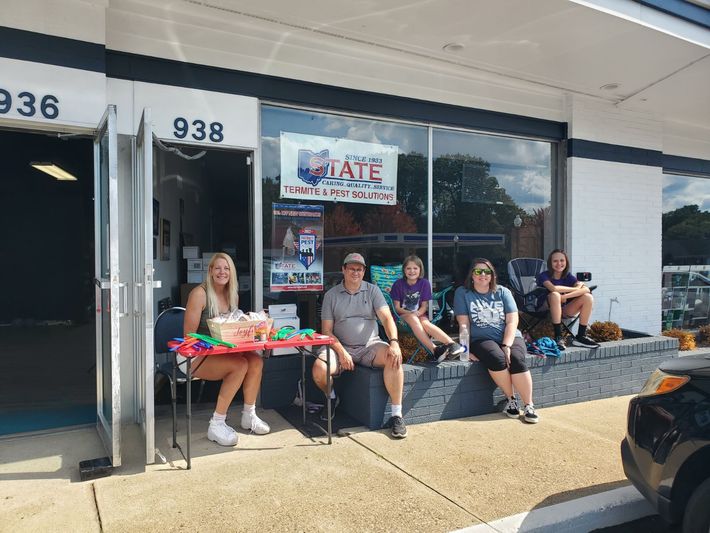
column 499, row 129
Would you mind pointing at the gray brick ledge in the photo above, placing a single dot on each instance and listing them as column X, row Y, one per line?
column 455, row 389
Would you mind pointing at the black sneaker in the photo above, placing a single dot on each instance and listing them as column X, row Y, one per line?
column 529, row 415
column 399, row 430
column 512, row 409
column 584, row 342
column 334, row 402
column 561, row 343
column 440, row 352
column 454, row 350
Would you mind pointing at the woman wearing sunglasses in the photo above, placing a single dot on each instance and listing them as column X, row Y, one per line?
column 490, row 312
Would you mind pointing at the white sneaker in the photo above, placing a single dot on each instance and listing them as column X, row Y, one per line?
column 252, row 422
column 222, row 434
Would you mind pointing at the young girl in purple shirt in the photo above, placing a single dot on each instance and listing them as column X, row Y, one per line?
column 411, row 295
column 566, row 297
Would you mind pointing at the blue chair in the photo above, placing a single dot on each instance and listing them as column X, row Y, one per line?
column 384, row 277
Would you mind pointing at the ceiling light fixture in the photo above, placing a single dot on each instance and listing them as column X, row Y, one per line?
column 54, row 171
column 453, row 47
column 610, row 86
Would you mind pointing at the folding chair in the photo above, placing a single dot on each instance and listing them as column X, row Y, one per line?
column 523, row 272
column 169, row 325
column 384, row 277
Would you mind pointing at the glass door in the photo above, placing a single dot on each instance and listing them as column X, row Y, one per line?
column 110, row 293
column 144, row 283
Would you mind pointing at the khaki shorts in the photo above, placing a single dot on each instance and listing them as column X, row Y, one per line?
column 362, row 355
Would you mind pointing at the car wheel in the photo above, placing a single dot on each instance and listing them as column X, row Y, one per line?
column 697, row 513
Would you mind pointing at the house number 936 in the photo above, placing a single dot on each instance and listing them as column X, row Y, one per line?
column 27, row 104
column 198, row 130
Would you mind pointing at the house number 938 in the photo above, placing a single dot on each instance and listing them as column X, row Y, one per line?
column 198, row 130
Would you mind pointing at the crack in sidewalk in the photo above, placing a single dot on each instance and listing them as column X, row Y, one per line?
column 96, row 506
column 422, row 482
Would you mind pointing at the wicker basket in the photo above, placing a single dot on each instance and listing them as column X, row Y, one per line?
column 240, row 331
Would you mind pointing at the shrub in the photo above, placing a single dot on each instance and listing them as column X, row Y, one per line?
column 408, row 344
column 605, row 331
column 704, row 334
column 686, row 340
column 542, row 329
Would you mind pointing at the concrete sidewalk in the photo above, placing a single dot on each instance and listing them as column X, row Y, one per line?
column 445, row 476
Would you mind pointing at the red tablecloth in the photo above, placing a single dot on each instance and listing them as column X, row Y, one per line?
column 318, row 340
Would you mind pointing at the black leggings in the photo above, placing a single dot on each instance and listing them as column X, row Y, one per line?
column 491, row 355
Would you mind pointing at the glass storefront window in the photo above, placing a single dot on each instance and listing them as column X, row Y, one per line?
column 686, row 252
column 492, row 198
column 384, row 234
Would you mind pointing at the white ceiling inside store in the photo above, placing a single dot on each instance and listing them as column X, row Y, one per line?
column 554, row 46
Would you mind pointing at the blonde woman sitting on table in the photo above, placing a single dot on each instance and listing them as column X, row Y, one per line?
column 218, row 295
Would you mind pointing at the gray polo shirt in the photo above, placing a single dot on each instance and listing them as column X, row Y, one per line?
column 353, row 315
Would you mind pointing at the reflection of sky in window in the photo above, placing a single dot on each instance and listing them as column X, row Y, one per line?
column 274, row 120
column 408, row 138
column 521, row 166
column 679, row 191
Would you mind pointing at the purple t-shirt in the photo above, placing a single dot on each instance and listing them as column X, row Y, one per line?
column 570, row 280
column 411, row 296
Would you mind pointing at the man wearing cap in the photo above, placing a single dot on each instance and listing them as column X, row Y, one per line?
column 349, row 315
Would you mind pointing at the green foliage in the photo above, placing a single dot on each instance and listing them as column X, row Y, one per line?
column 687, row 222
column 467, row 196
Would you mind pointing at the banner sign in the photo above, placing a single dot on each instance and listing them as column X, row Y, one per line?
column 297, row 248
column 330, row 169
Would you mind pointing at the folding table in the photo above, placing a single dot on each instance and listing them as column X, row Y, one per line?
column 304, row 346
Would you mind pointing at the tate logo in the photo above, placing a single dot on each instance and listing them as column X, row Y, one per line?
column 312, row 166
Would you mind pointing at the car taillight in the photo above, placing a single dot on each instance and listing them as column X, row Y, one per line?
column 661, row 383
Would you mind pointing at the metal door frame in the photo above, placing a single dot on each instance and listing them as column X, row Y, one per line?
column 143, row 318
column 109, row 431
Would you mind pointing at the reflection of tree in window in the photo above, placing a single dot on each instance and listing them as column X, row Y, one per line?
column 340, row 222
column 462, row 180
column 686, row 236
column 388, row 219
column 686, row 222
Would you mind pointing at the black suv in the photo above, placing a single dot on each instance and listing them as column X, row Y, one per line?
column 666, row 452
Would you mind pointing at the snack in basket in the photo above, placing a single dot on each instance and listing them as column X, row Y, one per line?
column 238, row 327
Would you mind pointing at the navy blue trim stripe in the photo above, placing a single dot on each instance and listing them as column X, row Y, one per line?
column 682, row 9
column 65, row 52
column 676, row 164
column 613, row 152
column 135, row 67
column 51, row 50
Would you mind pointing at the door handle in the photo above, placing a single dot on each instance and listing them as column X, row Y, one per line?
column 123, row 299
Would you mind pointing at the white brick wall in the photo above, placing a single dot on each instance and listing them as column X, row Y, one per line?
column 614, row 216
column 614, row 213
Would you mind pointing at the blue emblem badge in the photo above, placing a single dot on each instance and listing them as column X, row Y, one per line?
column 312, row 166
column 306, row 249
